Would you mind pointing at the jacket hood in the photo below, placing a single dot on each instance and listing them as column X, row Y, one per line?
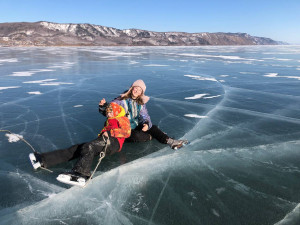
column 118, row 111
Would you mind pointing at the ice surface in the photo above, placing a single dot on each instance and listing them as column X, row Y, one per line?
column 242, row 163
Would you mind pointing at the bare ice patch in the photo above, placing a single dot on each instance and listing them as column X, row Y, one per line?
column 14, row 137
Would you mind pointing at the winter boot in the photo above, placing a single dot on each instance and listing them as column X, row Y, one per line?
column 35, row 160
column 176, row 144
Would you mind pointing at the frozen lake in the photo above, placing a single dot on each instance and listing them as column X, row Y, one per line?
column 238, row 106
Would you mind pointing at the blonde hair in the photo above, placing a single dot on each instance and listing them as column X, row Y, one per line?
column 128, row 94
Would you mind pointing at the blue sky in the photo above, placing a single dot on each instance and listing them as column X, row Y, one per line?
column 276, row 19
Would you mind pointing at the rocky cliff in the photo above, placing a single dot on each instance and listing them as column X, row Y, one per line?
column 56, row 34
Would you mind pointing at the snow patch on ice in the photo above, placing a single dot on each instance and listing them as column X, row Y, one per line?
column 38, row 81
column 34, row 92
column 14, row 137
column 248, row 73
column 4, row 88
column 195, row 116
column 226, row 57
column 276, row 75
column 64, row 65
column 204, row 96
column 77, row 106
column 54, row 83
column 155, row 65
column 22, row 74
column 271, row 75
column 133, row 62
column 216, row 96
column 197, row 96
column 195, row 77
column 9, row 60
column 47, row 82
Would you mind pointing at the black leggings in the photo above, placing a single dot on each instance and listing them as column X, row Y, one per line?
column 85, row 152
column 137, row 135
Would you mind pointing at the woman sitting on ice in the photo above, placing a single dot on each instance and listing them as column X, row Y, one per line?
column 134, row 102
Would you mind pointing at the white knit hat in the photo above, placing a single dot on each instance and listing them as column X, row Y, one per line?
column 141, row 84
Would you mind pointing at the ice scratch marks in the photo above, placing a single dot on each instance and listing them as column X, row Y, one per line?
column 192, row 194
column 215, row 212
column 139, row 204
column 159, row 198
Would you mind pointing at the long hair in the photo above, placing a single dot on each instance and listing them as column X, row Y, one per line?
column 128, row 94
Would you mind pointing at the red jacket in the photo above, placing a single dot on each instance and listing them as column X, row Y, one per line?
column 119, row 125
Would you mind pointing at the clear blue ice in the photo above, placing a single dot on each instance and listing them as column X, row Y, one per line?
column 238, row 107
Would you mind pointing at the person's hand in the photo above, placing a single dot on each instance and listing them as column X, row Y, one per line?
column 145, row 127
column 105, row 134
column 102, row 102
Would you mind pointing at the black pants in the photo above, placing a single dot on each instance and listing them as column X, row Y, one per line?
column 85, row 152
column 137, row 135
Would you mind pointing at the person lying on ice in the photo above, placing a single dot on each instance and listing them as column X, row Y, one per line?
column 110, row 140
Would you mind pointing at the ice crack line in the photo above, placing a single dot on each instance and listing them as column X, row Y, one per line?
column 159, row 198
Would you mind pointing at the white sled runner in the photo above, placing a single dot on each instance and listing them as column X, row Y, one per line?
column 71, row 179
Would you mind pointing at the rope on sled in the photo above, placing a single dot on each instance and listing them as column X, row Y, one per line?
column 101, row 156
column 26, row 142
